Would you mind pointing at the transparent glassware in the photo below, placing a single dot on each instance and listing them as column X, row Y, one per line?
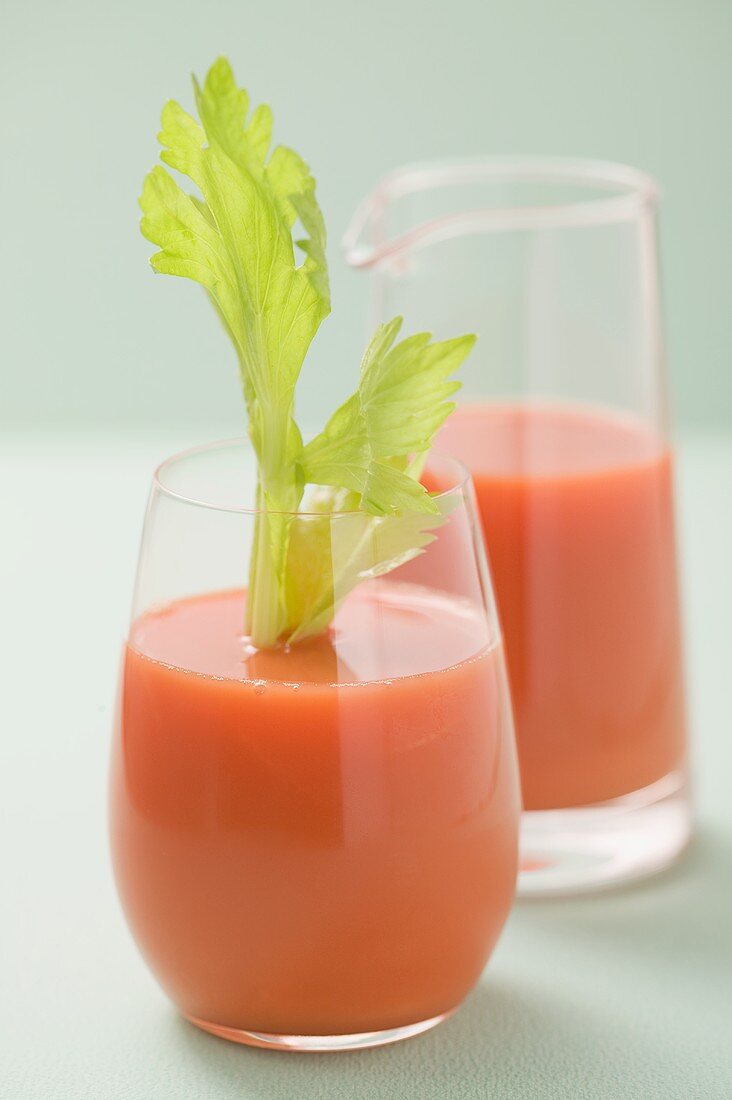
column 315, row 845
column 563, row 424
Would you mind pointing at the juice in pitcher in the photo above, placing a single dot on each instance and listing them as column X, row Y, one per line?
column 577, row 513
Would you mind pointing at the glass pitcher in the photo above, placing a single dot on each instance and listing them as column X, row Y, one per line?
column 563, row 423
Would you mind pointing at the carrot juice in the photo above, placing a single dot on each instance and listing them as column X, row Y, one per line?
column 318, row 840
column 577, row 513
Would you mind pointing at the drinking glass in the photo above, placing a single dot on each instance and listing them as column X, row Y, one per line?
column 563, row 424
column 315, row 844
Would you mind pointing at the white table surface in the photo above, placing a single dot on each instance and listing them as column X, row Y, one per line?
column 623, row 995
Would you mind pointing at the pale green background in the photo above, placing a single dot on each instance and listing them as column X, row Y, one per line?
column 90, row 339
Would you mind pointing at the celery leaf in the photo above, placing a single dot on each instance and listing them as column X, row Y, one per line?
column 401, row 401
column 252, row 234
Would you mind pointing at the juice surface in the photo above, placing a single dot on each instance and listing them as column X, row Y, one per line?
column 319, row 841
column 577, row 510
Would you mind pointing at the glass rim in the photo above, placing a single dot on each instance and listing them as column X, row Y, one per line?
column 639, row 192
column 462, row 479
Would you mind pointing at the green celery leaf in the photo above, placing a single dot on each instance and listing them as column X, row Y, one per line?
column 236, row 239
column 252, row 234
column 401, row 401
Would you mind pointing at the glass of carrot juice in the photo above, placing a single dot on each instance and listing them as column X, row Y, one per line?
column 315, row 843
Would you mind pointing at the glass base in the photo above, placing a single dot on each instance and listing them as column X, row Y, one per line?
column 590, row 848
column 359, row 1041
